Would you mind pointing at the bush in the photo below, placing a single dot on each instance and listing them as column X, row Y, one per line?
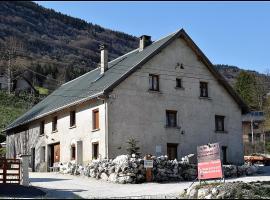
column 2, row 152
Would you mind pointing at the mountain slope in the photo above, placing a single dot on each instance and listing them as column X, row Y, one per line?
column 54, row 40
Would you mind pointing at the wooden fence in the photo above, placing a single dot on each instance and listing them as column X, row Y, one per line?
column 10, row 171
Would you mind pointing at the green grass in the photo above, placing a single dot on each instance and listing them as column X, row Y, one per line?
column 11, row 107
column 41, row 90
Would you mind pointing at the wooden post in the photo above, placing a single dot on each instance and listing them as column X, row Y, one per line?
column 4, row 171
column 148, row 170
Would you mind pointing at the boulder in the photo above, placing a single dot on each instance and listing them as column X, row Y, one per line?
column 202, row 192
column 215, row 191
column 113, row 177
column 104, row 176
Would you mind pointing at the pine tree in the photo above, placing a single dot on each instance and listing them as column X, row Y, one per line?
column 245, row 87
column 132, row 147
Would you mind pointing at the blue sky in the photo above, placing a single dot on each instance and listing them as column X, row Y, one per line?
column 234, row 33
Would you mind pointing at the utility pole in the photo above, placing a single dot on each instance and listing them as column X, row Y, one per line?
column 9, row 73
column 252, row 132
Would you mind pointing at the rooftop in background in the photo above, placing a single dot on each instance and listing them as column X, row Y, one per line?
column 257, row 116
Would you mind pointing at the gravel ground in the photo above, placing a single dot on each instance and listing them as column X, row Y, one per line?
column 68, row 186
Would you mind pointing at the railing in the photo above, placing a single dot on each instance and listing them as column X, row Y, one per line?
column 10, row 171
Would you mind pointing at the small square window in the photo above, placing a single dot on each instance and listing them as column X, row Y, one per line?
column 95, row 119
column 219, row 123
column 72, row 118
column 171, row 118
column 73, row 152
column 42, row 128
column 54, row 124
column 153, row 82
column 179, row 83
column 203, row 89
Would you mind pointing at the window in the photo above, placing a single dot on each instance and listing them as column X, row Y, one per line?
column 219, row 123
column 257, row 137
column 203, row 89
column 54, row 124
column 255, row 125
column 95, row 150
column 42, row 127
column 250, row 137
column 73, row 152
column 72, row 118
column 95, row 119
column 171, row 118
column 179, row 83
column 224, row 154
column 153, row 82
column 172, row 151
column 42, row 154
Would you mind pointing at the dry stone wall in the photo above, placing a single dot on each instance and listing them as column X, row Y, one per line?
column 125, row 169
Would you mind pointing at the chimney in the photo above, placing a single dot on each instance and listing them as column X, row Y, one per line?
column 103, row 58
column 145, row 41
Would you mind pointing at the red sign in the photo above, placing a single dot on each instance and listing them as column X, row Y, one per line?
column 210, row 170
column 209, row 164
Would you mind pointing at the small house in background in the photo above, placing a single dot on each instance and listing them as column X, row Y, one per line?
column 3, row 145
column 254, row 133
column 166, row 94
column 21, row 82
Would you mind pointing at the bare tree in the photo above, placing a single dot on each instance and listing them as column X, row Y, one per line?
column 10, row 52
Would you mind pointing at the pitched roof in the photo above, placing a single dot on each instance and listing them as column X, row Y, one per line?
column 93, row 84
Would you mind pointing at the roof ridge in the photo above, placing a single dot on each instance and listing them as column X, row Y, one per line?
column 167, row 36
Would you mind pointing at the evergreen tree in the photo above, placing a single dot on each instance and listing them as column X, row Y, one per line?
column 245, row 87
column 132, row 147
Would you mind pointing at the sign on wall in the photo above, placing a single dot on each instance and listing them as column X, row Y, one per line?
column 209, row 163
column 148, row 163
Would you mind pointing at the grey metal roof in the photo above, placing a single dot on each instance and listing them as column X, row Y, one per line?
column 89, row 85
column 93, row 84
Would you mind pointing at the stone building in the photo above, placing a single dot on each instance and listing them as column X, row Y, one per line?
column 166, row 94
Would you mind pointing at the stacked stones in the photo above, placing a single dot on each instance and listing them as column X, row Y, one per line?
column 233, row 190
column 231, row 171
column 125, row 169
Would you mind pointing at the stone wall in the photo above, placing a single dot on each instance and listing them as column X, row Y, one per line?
column 125, row 169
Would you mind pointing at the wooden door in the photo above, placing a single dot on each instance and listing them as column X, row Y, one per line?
column 33, row 157
column 56, row 153
column 172, row 151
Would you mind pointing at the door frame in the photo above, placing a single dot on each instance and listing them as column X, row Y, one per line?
column 51, row 153
column 33, row 158
column 176, row 148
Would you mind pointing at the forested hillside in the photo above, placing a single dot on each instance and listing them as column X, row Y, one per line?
column 54, row 44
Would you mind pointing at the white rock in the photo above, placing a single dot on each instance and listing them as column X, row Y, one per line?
column 193, row 193
column 215, row 191
column 113, row 177
column 209, row 196
column 202, row 192
column 104, row 176
column 119, row 160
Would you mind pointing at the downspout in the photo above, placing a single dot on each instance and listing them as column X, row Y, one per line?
column 106, row 130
